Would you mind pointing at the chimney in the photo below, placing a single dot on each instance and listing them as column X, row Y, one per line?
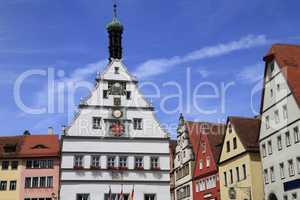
column 50, row 131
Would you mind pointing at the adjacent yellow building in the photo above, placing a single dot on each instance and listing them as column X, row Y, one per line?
column 240, row 168
column 10, row 169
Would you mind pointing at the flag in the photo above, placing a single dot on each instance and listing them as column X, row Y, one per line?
column 121, row 196
column 132, row 194
column 109, row 194
column 117, row 197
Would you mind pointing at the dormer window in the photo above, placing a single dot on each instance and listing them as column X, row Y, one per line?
column 10, row 148
column 117, row 70
column 39, row 146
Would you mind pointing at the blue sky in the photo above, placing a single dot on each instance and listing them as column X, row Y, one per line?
column 216, row 41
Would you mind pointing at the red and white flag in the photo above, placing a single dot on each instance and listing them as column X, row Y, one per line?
column 132, row 194
column 121, row 196
column 109, row 194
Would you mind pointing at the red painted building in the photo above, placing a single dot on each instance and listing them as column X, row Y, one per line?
column 205, row 178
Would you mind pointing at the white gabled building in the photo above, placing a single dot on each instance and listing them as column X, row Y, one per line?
column 280, row 115
column 115, row 140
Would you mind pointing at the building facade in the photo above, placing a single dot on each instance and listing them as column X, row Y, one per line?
column 206, row 185
column 40, row 167
column 189, row 153
column 115, row 144
column 10, row 170
column 239, row 163
column 37, row 181
column 279, row 132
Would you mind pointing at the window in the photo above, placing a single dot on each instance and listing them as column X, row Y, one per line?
column 12, row 185
column 207, row 161
column 272, row 175
column 230, row 128
column 105, row 94
column 116, row 70
column 139, row 162
column 244, row 171
column 234, row 143
column 276, row 116
column 201, row 164
column 287, row 139
column 111, row 162
column 82, row 196
column 49, row 163
column 237, row 173
column 278, row 87
column 5, row 165
column 123, row 162
column 231, row 176
column 266, row 177
column 298, row 165
column 150, row 197
column 271, row 65
column 78, row 161
column 202, row 185
column 49, row 182
column 3, row 185
column 285, row 112
column 35, row 182
column 29, row 164
column 263, row 149
column 211, row 182
column 128, row 95
column 294, row 195
column 27, row 182
column 14, row 165
column 43, row 182
column 117, row 101
column 36, row 164
column 296, row 134
column 96, row 122
column 267, row 122
column 228, row 146
column 225, row 179
column 183, row 192
column 271, row 93
column 269, row 147
column 137, row 124
column 279, row 143
column 203, row 148
column 281, row 166
column 154, row 163
column 291, row 168
column 95, row 161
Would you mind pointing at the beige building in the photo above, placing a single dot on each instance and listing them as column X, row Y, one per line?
column 240, row 168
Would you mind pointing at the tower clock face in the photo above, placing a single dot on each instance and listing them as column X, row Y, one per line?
column 117, row 113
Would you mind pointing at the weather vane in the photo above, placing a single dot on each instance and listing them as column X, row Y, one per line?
column 115, row 8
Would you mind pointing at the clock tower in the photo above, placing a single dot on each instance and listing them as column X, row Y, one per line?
column 115, row 143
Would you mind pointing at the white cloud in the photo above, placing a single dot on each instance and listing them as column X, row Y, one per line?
column 251, row 74
column 159, row 66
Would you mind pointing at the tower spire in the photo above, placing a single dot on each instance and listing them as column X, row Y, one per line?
column 115, row 31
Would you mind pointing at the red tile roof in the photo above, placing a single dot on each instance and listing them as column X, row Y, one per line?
column 213, row 131
column 247, row 129
column 30, row 146
column 288, row 58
